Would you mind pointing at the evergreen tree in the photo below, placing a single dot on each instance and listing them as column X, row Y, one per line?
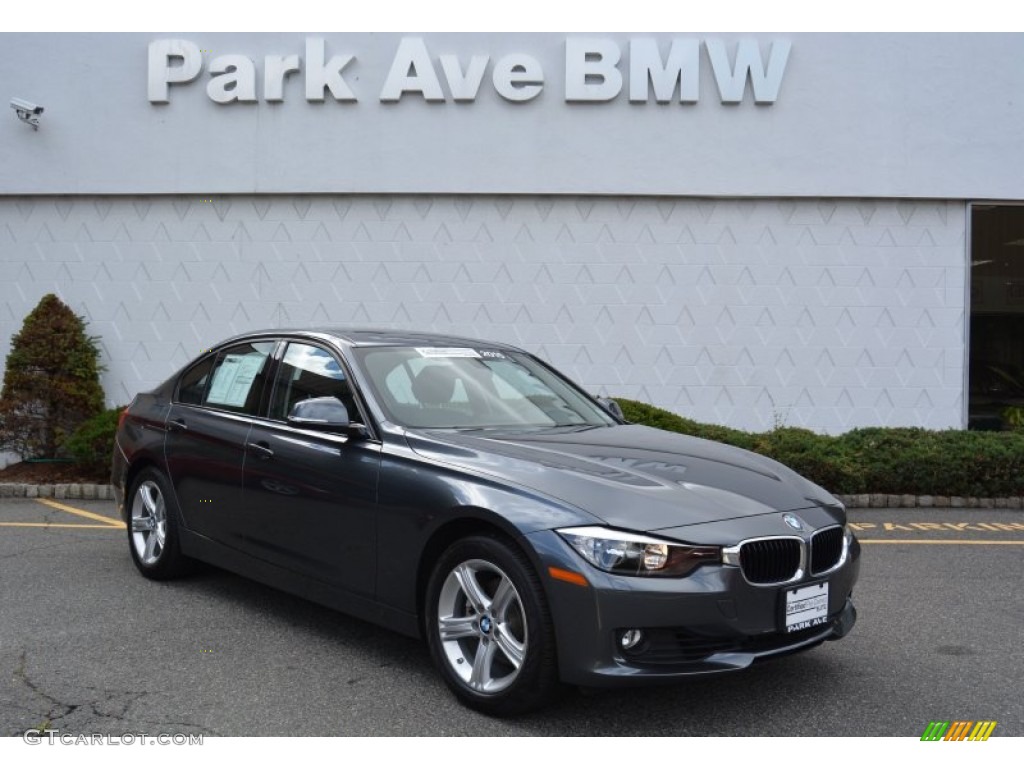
column 51, row 384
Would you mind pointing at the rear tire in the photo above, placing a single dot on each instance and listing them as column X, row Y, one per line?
column 153, row 533
column 489, row 628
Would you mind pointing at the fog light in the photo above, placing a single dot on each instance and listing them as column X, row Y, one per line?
column 631, row 638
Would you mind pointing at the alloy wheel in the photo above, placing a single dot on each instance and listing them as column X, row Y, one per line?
column 482, row 626
column 149, row 523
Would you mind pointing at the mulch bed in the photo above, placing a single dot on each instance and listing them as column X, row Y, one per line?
column 51, row 474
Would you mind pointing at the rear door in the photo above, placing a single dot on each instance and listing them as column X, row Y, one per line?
column 310, row 497
column 207, row 428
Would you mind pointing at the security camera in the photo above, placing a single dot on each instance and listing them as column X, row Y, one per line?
column 27, row 112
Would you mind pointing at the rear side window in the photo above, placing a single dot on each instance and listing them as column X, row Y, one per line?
column 193, row 382
column 237, row 379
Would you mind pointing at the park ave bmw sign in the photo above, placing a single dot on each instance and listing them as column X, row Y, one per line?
column 595, row 71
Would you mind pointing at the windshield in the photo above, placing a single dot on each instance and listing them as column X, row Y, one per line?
column 445, row 387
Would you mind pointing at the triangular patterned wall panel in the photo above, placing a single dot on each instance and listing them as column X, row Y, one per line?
column 827, row 314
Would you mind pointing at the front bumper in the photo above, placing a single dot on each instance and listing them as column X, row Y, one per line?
column 710, row 621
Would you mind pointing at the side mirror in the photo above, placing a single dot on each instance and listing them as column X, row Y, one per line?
column 612, row 407
column 327, row 414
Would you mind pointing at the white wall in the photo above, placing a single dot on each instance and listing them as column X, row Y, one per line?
column 820, row 313
column 901, row 115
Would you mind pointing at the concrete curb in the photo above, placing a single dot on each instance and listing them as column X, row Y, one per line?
column 90, row 491
column 84, row 491
column 890, row 501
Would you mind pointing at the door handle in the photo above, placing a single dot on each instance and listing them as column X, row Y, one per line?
column 176, row 425
column 260, row 449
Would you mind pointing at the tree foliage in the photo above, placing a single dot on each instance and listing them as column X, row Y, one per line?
column 51, row 384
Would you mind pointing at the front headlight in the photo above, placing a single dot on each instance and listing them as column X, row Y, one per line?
column 631, row 554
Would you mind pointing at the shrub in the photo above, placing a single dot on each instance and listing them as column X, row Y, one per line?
column 652, row 416
column 1013, row 417
column 894, row 460
column 817, row 457
column 897, row 460
column 92, row 444
column 51, row 384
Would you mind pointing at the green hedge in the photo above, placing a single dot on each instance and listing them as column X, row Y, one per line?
column 92, row 444
column 874, row 460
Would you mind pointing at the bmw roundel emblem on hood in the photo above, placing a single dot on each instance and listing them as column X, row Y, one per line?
column 793, row 522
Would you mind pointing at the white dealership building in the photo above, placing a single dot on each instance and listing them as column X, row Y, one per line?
column 819, row 230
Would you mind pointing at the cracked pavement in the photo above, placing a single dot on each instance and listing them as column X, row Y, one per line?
column 89, row 646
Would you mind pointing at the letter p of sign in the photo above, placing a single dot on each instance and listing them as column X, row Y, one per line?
column 161, row 72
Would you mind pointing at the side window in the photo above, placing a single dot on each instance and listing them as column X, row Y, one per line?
column 238, row 377
column 305, row 372
column 193, row 383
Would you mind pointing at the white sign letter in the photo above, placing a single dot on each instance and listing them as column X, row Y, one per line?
column 162, row 74
column 275, row 71
column 412, row 71
column 464, row 87
column 235, row 81
column 320, row 75
column 590, row 69
column 732, row 81
column 683, row 66
column 518, row 77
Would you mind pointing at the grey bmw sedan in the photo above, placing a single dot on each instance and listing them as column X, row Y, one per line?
column 465, row 492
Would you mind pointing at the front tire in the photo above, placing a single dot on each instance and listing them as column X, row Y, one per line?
column 489, row 628
column 153, row 537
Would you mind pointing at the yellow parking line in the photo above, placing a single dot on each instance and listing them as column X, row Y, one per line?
column 937, row 541
column 59, row 525
column 112, row 522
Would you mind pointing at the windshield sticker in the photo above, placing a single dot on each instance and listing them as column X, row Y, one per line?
column 446, row 352
column 492, row 354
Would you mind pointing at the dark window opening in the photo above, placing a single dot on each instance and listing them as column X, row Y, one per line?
column 996, row 370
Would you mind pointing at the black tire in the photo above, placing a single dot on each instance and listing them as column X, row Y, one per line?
column 508, row 618
column 153, row 536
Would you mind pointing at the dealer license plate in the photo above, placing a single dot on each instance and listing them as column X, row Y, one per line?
column 806, row 607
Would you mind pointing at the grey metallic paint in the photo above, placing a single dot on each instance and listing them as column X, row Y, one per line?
column 370, row 510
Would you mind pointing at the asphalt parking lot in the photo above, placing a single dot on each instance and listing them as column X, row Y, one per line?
column 89, row 646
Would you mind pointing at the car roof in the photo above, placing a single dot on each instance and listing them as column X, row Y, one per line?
column 375, row 337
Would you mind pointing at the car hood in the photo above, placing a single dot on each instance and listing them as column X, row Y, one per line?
column 629, row 476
